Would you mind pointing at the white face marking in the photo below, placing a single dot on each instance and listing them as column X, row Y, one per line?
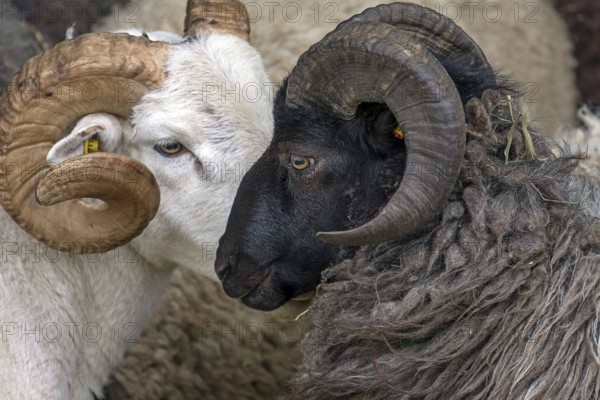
column 217, row 104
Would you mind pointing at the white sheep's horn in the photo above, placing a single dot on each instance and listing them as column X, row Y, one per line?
column 46, row 97
column 225, row 16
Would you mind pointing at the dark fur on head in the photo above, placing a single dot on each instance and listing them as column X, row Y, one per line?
column 278, row 210
column 269, row 252
column 499, row 300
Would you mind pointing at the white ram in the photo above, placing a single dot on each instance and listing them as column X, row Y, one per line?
column 166, row 117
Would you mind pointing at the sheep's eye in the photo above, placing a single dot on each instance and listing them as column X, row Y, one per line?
column 301, row 163
column 168, row 149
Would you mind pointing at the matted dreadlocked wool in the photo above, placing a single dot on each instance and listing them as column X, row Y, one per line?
column 498, row 300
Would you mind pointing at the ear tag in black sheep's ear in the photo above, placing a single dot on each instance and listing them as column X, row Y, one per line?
column 397, row 132
column 91, row 146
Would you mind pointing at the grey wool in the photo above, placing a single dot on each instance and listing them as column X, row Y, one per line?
column 499, row 299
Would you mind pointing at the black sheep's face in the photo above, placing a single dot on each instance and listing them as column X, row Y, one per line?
column 325, row 174
column 318, row 174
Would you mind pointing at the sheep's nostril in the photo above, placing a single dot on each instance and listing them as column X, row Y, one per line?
column 223, row 265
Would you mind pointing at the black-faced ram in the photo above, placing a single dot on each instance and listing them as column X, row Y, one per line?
column 478, row 277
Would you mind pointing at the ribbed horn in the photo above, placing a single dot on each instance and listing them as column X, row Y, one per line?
column 376, row 62
column 448, row 42
column 227, row 16
column 92, row 73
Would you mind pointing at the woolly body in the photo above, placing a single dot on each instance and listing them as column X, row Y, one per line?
column 500, row 299
column 41, row 289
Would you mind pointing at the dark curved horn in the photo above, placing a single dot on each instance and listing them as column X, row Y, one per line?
column 448, row 42
column 442, row 37
column 375, row 62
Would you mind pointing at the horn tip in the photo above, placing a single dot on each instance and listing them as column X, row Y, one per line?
column 327, row 237
column 340, row 238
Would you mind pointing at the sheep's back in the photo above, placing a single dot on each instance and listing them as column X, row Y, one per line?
column 528, row 41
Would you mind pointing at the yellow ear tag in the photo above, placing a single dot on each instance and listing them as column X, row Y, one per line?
column 91, row 146
column 397, row 132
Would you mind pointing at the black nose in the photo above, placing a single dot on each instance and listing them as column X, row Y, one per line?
column 224, row 263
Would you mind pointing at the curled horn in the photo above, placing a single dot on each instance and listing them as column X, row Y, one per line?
column 92, row 73
column 226, row 16
column 440, row 35
column 408, row 51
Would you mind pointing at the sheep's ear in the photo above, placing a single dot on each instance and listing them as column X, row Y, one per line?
column 94, row 132
column 380, row 127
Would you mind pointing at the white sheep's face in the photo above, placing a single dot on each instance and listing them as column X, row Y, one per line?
column 198, row 134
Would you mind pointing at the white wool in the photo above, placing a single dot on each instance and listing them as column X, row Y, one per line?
column 67, row 319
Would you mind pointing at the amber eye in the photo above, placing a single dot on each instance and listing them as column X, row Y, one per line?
column 301, row 163
column 168, row 149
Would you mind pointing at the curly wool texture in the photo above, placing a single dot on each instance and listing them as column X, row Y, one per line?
column 204, row 345
column 498, row 300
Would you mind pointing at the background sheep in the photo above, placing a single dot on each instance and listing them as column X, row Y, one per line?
column 514, row 36
column 497, row 298
column 203, row 344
